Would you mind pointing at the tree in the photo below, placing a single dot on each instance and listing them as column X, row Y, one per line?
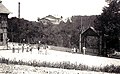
column 109, row 23
column 19, row 29
column 108, row 1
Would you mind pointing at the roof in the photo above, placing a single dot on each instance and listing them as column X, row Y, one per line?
column 90, row 32
column 3, row 9
column 52, row 17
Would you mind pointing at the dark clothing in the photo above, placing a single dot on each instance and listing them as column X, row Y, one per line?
column 38, row 48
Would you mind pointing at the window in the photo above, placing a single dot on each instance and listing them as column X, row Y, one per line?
column 1, row 37
column 3, row 24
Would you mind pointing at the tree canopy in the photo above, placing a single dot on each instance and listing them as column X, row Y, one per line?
column 109, row 23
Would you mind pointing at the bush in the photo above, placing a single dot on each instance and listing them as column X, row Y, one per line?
column 63, row 65
column 112, row 69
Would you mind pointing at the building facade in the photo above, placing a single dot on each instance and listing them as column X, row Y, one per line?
column 51, row 19
column 4, row 12
column 90, row 39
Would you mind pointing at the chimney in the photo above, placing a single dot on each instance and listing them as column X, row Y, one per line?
column 18, row 9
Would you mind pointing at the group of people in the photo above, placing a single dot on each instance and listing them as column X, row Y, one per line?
column 22, row 48
column 29, row 48
column 43, row 47
column 74, row 50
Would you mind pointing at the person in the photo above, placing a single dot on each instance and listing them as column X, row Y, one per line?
column 13, row 49
column 74, row 50
column 38, row 49
column 84, row 50
column 31, row 50
column 18, row 50
column 46, row 48
column 27, row 49
column 23, row 48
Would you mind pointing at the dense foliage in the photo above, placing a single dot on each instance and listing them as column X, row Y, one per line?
column 64, row 34
column 19, row 29
column 109, row 24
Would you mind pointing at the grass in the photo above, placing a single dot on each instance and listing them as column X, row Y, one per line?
column 63, row 65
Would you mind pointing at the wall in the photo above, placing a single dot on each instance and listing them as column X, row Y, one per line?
column 3, row 28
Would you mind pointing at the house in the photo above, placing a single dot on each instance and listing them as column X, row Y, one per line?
column 4, row 12
column 91, row 39
column 50, row 19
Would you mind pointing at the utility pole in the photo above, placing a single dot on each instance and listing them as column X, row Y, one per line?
column 18, row 9
column 80, row 43
column 19, row 15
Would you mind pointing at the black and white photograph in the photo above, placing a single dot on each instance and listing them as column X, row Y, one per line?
column 59, row 36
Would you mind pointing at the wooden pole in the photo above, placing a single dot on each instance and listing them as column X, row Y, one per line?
column 18, row 9
column 80, row 42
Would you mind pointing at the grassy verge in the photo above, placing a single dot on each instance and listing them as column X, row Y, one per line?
column 63, row 65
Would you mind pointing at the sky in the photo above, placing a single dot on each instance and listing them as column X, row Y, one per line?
column 32, row 9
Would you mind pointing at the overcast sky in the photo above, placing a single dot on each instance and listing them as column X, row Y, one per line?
column 31, row 9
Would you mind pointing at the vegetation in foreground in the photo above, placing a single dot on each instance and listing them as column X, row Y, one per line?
column 63, row 65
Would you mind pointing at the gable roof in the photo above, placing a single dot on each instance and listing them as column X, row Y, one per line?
column 90, row 32
column 3, row 9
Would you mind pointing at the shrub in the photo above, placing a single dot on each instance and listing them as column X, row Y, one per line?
column 63, row 65
column 112, row 69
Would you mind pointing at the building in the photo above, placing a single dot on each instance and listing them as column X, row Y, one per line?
column 91, row 40
column 97, row 43
column 4, row 12
column 51, row 19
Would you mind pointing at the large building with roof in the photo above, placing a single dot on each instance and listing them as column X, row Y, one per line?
column 4, row 12
column 51, row 19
